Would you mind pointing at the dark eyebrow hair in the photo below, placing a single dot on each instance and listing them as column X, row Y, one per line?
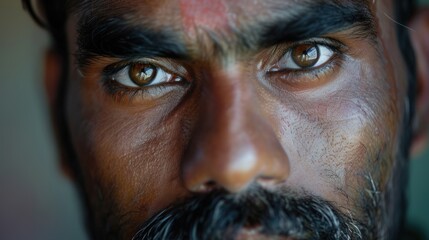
column 117, row 38
column 318, row 19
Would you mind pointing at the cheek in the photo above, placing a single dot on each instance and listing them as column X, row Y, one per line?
column 336, row 135
column 129, row 156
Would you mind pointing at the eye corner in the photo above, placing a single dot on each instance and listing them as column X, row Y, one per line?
column 305, row 56
column 285, row 73
column 119, row 80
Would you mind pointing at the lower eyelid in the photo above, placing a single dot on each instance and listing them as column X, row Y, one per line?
column 121, row 93
column 334, row 58
column 122, row 77
column 298, row 79
column 288, row 63
column 118, row 86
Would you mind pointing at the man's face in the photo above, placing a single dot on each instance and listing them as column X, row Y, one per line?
column 203, row 99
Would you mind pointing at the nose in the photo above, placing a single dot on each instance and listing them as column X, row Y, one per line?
column 233, row 144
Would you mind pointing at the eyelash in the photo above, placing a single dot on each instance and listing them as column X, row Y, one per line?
column 119, row 91
column 293, row 76
column 301, row 78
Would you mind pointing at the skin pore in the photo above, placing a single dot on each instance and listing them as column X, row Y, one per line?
column 225, row 114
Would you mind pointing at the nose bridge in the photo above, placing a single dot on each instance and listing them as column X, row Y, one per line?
column 227, row 103
column 233, row 144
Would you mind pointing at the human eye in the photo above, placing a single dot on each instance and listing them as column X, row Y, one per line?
column 308, row 63
column 305, row 56
column 140, row 77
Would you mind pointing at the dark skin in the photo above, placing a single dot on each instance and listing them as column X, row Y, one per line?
column 223, row 116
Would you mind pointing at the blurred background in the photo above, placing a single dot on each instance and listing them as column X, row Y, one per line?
column 36, row 201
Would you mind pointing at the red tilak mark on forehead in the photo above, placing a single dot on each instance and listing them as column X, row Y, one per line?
column 204, row 14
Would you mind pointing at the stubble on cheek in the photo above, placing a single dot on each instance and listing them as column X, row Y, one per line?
column 127, row 175
column 124, row 156
column 342, row 147
column 137, row 159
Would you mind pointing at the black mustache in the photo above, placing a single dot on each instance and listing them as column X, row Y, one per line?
column 219, row 215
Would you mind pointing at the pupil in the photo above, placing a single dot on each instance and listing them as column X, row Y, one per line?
column 306, row 55
column 142, row 74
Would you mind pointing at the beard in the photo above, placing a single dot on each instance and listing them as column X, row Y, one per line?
column 268, row 213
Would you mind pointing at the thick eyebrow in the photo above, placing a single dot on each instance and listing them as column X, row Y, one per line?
column 319, row 19
column 116, row 38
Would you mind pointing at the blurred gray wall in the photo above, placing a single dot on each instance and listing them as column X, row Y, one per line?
column 36, row 201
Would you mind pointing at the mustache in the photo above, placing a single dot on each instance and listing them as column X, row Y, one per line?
column 220, row 215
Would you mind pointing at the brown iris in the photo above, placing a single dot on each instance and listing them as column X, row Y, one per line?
column 142, row 74
column 306, row 55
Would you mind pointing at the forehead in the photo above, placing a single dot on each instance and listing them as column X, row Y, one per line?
column 219, row 31
column 218, row 26
column 191, row 15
